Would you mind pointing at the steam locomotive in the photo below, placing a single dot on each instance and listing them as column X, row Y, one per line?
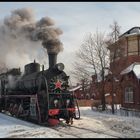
column 40, row 96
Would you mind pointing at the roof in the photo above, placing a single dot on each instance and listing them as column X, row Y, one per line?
column 108, row 94
column 135, row 67
column 132, row 31
column 75, row 88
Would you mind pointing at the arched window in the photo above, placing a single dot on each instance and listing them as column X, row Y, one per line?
column 129, row 95
column 93, row 95
column 87, row 96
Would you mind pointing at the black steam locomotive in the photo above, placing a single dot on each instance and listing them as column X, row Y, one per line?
column 38, row 95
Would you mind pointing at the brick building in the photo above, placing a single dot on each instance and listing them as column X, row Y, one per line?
column 110, row 90
column 126, row 54
column 77, row 92
column 124, row 58
column 81, row 91
column 126, row 49
column 130, row 82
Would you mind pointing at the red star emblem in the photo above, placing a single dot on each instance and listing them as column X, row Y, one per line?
column 58, row 84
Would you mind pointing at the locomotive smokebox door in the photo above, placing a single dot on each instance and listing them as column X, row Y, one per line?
column 33, row 106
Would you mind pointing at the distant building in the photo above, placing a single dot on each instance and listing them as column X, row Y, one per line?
column 96, row 86
column 77, row 92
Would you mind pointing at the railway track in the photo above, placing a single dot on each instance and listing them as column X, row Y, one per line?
column 72, row 130
column 67, row 130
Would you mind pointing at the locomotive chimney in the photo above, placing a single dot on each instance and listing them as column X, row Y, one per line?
column 52, row 59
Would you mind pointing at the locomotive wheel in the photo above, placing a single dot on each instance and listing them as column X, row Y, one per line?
column 71, row 120
column 11, row 108
column 15, row 110
column 19, row 110
column 67, row 121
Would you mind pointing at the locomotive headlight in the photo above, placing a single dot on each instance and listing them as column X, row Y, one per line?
column 68, row 101
column 55, row 102
column 60, row 66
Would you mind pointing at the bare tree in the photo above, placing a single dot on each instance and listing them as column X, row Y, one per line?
column 115, row 31
column 93, row 57
column 79, row 72
column 116, row 51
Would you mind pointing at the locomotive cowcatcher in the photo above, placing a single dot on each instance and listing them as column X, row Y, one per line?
column 40, row 96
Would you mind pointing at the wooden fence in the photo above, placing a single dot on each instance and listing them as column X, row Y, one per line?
column 129, row 112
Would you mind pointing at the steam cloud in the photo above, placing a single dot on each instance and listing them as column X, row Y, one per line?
column 22, row 38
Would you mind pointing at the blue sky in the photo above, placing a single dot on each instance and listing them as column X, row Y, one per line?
column 76, row 19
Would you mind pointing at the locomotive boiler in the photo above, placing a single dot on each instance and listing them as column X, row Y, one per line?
column 38, row 95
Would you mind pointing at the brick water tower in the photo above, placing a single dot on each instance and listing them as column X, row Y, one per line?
column 125, row 51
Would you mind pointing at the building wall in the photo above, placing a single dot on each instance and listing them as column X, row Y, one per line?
column 131, row 80
column 119, row 65
column 130, row 49
column 127, row 51
column 108, row 90
column 78, row 94
column 116, row 92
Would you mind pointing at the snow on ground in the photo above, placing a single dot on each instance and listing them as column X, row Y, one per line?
column 113, row 125
column 14, row 128
column 92, row 124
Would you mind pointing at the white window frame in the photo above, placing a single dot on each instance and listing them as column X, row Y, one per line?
column 129, row 95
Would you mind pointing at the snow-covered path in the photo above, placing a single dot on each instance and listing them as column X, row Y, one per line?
column 91, row 125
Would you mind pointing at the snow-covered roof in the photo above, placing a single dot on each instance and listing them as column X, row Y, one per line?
column 108, row 94
column 75, row 88
column 132, row 31
column 135, row 67
column 132, row 34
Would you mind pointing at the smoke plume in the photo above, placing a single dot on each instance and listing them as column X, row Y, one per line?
column 22, row 38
